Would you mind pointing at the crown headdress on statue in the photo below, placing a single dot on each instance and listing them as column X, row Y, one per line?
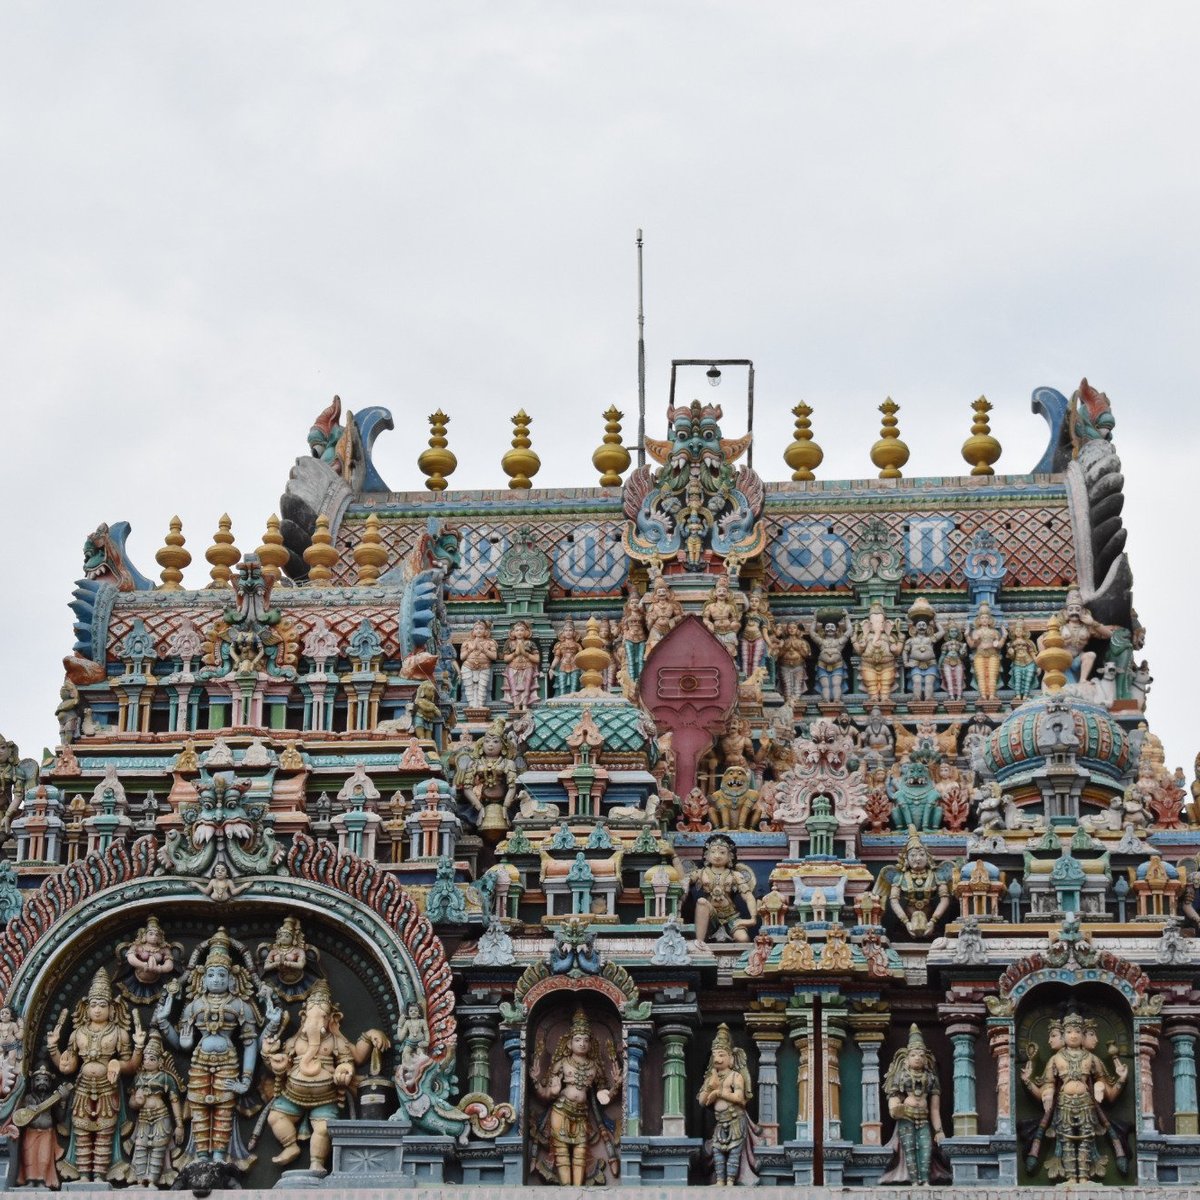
column 1074, row 1021
column 218, row 951
column 100, row 987
column 723, row 1039
column 580, row 1025
column 915, row 1040
column 1056, row 1027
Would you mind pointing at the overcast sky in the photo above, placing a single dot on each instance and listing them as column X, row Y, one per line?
column 216, row 216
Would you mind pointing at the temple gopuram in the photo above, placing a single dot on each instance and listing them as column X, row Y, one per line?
column 688, row 829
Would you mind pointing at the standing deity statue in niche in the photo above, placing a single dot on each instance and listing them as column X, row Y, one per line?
column 478, row 653
column 522, row 658
column 878, row 643
column 1022, row 661
column 985, row 639
column 98, row 1052
column 490, row 779
column 722, row 614
column 914, row 1102
column 727, row 1090
column 831, row 650
column 562, row 660
column 1071, row 1090
column 633, row 636
column 917, row 889
column 663, row 612
column 720, row 895
column 576, row 1141
column 952, row 661
column 158, row 1134
column 795, row 650
column 920, row 649
column 219, row 1027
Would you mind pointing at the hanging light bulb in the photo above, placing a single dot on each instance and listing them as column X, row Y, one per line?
column 714, row 376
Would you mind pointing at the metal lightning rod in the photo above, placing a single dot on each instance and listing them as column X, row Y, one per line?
column 641, row 362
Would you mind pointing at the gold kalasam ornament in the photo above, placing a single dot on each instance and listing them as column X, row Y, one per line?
column 173, row 557
column 222, row 554
column 593, row 660
column 803, row 454
column 889, row 454
column 272, row 553
column 611, row 458
column 437, row 461
column 981, row 450
column 321, row 554
column 521, row 462
column 1053, row 658
column 370, row 555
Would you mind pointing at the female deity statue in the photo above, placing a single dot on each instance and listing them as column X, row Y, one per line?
column 477, row 655
column 920, row 649
column 794, row 652
column 878, row 644
column 914, row 1102
column 521, row 661
column 720, row 894
column 158, row 1101
column 1071, row 1089
column 727, row 1090
column 574, row 1137
column 289, row 958
column 1022, row 658
column 149, row 956
column 918, row 892
column 663, row 612
column 219, row 1025
column 633, row 631
column 986, row 639
column 562, row 662
column 98, row 1052
column 490, row 782
column 831, row 661
column 952, row 661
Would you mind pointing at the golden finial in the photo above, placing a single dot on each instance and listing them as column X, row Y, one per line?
column 1053, row 658
column 889, row 454
column 981, row 449
column 173, row 557
column 321, row 554
column 611, row 458
column 437, row 462
column 594, row 659
column 222, row 554
column 803, row 453
column 521, row 462
column 272, row 553
column 370, row 554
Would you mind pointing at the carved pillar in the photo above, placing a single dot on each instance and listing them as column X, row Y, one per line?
column 479, row 1032
column 868, row 1030
column 835, row 1036
column 674, row 1039
column 636, row 1040
column 1146, row 1035
column 767, row 1028
column 1000, row 1039
column 966, row 1115
column 1187, row 1108
column 801, row 1032
column 516, row 1058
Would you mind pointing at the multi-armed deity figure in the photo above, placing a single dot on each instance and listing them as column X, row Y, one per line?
column 575, row 1139
column 219, row 1027
column 914, row 1102
column 478, row 653
column 1071, row 1089
column 920, row 649
column 721, row 893
column 878, row 643
column 727, row 1090
column 98, row 1052
column 522, row 658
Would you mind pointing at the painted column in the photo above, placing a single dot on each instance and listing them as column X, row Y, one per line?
column 766, row 1029
column 835, row 1036
column 966, row 1115
column 1000, row 1035
column 868, row 1030
column 1146, row 1035
column 1187, row 1106
column 801, row 1033
column 516, row 1058
column 674, row 1039
column 480, row 1034
column 636, row 1041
